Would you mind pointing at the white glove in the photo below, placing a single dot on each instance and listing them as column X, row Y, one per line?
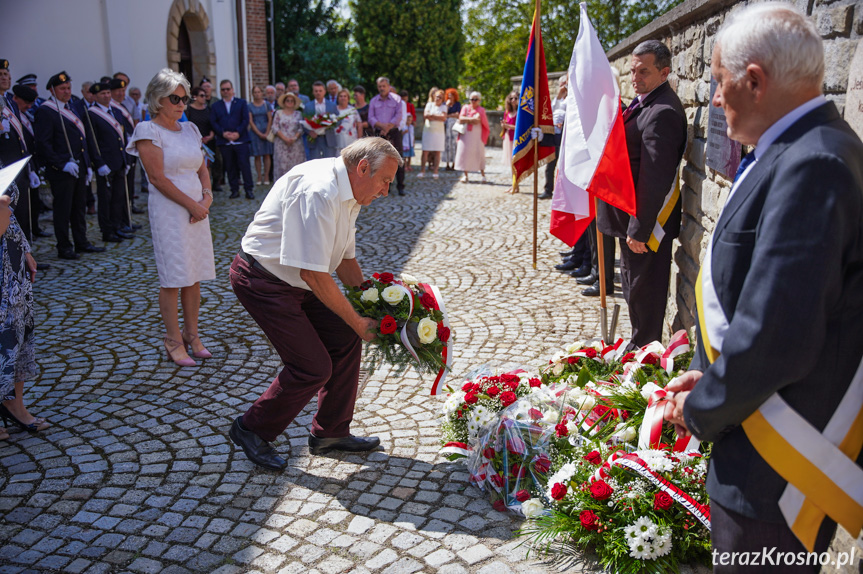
column 71, row 168
column 536, row 134
column 89, row 176
column 104, row 170
column 4, row 126
column 128, row 167
column 34, row 180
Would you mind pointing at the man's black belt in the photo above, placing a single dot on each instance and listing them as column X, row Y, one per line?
column 254, row 263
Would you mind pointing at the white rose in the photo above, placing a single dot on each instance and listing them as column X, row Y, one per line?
column 573, row 348
column 572, row 427
column 558, row 368
column 370, row 295
column 551, row 417
column 409, row 279
column 626, row 435
column 393, row 294
column 587, row 402
column 648, row 390
column 532, row 507
column 427, row 329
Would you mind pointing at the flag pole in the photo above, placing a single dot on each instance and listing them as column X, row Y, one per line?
column 600, row 255
column 537, row 106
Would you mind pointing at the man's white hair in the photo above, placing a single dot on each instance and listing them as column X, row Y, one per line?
column 780, row 39
column 374, row 150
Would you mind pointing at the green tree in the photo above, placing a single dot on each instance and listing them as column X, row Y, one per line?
column 311, row 41
column 417, row 44
column 497, row 33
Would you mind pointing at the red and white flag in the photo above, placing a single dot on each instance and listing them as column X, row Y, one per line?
column 593, row 156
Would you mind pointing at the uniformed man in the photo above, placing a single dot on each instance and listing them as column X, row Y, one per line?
column 25, row 98
column 61, row 145
column 118, row 96
column 110, row 159
column 31, row 81
column 13, row 146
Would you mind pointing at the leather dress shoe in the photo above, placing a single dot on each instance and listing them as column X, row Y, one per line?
column 112, row 238
column 567, row 265
column 137, row 210
column 89, row 248
column 567, row 254
column 41, row 233
column 588, row 280
column 348, row 443
column 135, row 227
column 545, row 195
column 125, row 234
column 250, row 195
column 258, row 450
column 582, row 271
column 234, row 195
column 68, row 254
column 593, row 290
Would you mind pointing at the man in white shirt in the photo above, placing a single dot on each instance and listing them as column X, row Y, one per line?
column 303, row 232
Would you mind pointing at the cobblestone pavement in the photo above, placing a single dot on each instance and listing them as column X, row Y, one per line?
column 137, row 473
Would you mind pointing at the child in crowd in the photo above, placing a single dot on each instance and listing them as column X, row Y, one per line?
column 408, row 142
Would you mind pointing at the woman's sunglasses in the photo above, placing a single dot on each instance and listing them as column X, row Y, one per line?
column 175, row 99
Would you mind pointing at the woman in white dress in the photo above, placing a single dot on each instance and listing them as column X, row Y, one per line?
column 434, row 132
column 179, row 203
column 470, row 151
column 350, row 126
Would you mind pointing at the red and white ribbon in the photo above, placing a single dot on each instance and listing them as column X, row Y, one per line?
column 459, row 449
column 650, row 435
column 678, row 345
column 446, row 352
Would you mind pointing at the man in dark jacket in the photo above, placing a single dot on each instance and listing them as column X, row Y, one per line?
column 230, row 119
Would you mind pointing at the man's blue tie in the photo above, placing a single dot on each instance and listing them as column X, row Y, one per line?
column 744, row 163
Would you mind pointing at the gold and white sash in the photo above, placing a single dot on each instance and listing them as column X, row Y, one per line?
column 16, row 124
column 821, row 469
column 68, row 114
column 96, row 110
column 664, row 213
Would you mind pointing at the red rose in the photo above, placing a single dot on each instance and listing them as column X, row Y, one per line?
column 522, row 495
column 471, row 398
column 535, row 414
column 510, row 380
column 443, row 333
column 558, row 491
column 507, row 398
column 492, row 391
column 365, row 285
column 497, row 480
column 518, row 471
column 662, row 501
column 488, row 453
column 534, row 382
column 627, row 357
column 589, row 519
column 388, row 325
column 560, row 430
column 491, row 380
column 542, row 464
column 600, row 490
column 650, row 359
column 593, row 457
column 499, row 505
column 467, row 387
column 428, row 300
column 376, row 275
column 572, row 360
column 589, row 352
column 386, row 278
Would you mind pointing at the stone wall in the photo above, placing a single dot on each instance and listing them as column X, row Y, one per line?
column 689, row 30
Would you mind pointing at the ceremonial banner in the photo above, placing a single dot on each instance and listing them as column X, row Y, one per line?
column 594, row 160
column 531, row 99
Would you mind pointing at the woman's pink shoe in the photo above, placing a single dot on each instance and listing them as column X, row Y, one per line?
column 202, row 353
column 171, row 346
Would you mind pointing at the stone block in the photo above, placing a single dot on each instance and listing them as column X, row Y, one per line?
column 837, row 59
column 834, row 21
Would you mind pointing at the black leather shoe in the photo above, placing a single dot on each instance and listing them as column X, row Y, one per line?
column 125, row 234
column 135, row 227
column 137, row 210
column 41, row 233
column 90, row 248
column 593, row 290
column 234, row 194
column 588, row 280
column 71, row 255
column 401, row 192
column 582, row 271
column 567, row 265
column 258, row 450
column 545, row 195
column 112, row 238
column 349, row 443
column 250, row 195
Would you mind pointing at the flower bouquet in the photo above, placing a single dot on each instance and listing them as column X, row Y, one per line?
column 318, row 124
column 413, row 327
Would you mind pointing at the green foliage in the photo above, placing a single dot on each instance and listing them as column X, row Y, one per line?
column 497, row 32
column 417, row 44
column 311, row 41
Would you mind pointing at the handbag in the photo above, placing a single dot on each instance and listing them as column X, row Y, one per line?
column 271, row 137
column 459, row 128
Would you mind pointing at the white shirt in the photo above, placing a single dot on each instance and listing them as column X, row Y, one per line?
column 228, row 105
column 307, row 221
column 558, row 112
column 320, row 107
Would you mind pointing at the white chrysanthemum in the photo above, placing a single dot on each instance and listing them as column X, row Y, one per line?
column 630, row 533
column 453, row 402
column 662, row 546
column 393, row 294
column 640, row 550
column 409, row 279
column 645, row 527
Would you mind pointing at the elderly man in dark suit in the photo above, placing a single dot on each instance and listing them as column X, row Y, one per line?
column 655, row 126
column 230, row 119
column 777, row 381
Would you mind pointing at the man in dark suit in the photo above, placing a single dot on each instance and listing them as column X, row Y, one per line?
column 778, row 347
column 109, row 156
column 28, row 209
column 655, row 126
column 320, row 144
column 230, row 119
column 61, row 145
column 15, row 144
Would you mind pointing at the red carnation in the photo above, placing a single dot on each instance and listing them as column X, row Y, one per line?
column 560, row 430
column 535, row 414
column 428, row 300
column 388, row 325
column 589, row 352
column 386, row 278
column 471, row 398
column 492, row 391
column 518, row 471
column 488, row 453
column 507, row 398
column 572, row 360
column 542, row 464
column 650, row 359
column 522, row 495
column 534, row 382
column 497, row 480
column 600, row 490
column 593, row 457
column 627, row 357
column 662, row 501
column 510, row 380
column 499, row 505
column 443, row 333
column 589, row 519
column 558, row 491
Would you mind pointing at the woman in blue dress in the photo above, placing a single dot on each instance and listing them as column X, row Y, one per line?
column 260, row 120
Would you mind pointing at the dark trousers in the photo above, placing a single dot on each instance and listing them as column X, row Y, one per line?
column 550, row 166
column 644, row 279
column 732, row 532
column 319, row 149
column 581, row 253
column 394, row 136
column 608, row 254
column 111, row 191
column 70, row 208
column 320, row 352
column 22, row 207
column 217, row 170
column 236, row 158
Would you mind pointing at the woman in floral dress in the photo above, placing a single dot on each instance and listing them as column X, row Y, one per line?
column 288, row 126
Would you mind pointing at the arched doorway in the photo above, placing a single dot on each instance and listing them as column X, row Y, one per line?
column 190, row 43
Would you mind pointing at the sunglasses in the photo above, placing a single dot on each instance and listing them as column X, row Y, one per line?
column 474, row 99
column 175, row 99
